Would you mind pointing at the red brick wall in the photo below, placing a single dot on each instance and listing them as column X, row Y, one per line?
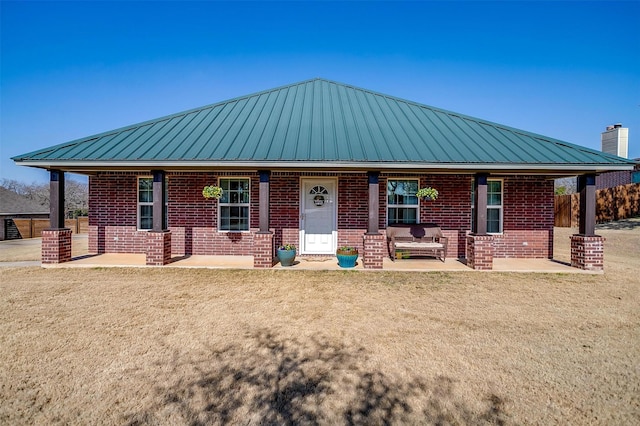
column 353, row 202
column 351, row 237
column 113, row 199
column 528, row 218
column 528, row 212
column 284, row 209
column 530, row 243
column 208, row 241
column 528, row 203
column 124, row 239
column 187, row 207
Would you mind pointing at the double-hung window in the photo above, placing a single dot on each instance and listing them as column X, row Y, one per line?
column 402, row 203
column 234, row 205
column 494, row 205
column 145, row 203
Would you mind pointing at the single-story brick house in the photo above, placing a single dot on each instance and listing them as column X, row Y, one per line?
column 320, row 164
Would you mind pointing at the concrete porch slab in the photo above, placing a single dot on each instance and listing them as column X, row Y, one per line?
column 327, row 263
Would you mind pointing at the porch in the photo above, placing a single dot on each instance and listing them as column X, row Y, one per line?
column 319, row 264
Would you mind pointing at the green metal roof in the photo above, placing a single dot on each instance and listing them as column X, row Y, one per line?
column 320, row 123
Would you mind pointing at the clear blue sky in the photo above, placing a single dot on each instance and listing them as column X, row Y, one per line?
column 73, row 69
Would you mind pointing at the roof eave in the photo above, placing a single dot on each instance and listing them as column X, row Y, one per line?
column 93, row 165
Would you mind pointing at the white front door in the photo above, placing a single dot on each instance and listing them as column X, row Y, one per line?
column 318, row 220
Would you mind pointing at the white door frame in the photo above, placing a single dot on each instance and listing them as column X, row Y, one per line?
column 334, row 205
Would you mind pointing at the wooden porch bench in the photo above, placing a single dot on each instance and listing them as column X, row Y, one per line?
column 423, row 239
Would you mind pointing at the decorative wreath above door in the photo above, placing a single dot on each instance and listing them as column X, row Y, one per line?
column 320, row 193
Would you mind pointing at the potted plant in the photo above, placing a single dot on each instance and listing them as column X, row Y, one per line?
column 287, row 254
column 347, row 256
column 212, row 191
column 427, row 193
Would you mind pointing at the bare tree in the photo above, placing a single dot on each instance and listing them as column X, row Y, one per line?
column 76, row 194
column 566, row 185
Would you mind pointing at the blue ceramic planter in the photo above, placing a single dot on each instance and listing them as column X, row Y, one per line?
column 286, row 257
column 347, row 260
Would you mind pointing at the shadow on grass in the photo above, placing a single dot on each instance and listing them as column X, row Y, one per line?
column 623, row 224
column 273, row 380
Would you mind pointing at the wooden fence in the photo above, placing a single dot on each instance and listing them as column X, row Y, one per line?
column 619, row 202
column 30, row 228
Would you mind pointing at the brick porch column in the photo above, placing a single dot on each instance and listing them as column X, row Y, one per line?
column 263, row 250
column 480, row 252
column 56, row 240
column 56, row 245
column 158, row 248
column 374, row 248
column 587, row 252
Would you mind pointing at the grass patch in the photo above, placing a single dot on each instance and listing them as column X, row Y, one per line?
column 200, row 346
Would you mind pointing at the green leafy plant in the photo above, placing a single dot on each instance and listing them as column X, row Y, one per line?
column 212, row 191
column 347, row 250
column 287, row 247
column 427, row 193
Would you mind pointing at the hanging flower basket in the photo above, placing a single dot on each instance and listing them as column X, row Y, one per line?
column 427, row 193
column 212, row 191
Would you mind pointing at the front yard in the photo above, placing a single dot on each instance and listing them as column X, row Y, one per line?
column 198, row 346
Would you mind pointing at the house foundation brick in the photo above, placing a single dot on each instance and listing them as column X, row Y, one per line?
column 56, row 245
column 480, row 252
column 263, row 250
column 587, row 252
column 374, row 251
column 158, row 248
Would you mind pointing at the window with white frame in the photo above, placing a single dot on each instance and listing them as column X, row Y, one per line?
column 402, row 203
column 145, row 203
column 234, row 204
column 494, row 206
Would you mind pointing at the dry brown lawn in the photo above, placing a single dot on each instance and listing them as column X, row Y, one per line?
column 171, row 346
